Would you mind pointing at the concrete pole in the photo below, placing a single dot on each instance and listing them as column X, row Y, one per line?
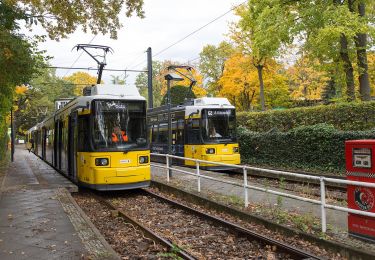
column 169, row 125
column 11, row 135
column 149, row 78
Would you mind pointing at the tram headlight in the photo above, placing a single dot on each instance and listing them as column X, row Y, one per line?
column 210, row 150
column 143, row 159
column 236, row 150
column 101, row 161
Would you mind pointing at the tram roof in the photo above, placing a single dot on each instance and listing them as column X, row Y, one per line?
column 200, row 103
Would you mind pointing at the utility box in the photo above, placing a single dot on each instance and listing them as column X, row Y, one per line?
column 360, row 166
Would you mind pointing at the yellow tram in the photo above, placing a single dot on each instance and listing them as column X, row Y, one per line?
column 98, row 140
column 203, row 128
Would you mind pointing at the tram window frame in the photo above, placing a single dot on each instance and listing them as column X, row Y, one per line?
column 193, row 131
column 110, row 149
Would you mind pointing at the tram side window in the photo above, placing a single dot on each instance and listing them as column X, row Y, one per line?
column 83, row 133
column 192, row 133
column 163, row 137
column 154, row 133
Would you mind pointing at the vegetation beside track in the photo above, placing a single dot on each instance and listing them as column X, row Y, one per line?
column 345, row 117
column 4, row 162
column 318, row 147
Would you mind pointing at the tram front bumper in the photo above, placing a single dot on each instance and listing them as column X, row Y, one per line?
column 228, row 159
column 121, row 175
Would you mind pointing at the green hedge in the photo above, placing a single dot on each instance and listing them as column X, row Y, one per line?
column 4, row 138
column 350, row 116
column 319, row 147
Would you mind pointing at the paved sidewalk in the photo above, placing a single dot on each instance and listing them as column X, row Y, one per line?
column 38, row 220
column 336, row 219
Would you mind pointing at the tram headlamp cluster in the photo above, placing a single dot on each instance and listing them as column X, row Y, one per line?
column 143, row 159
column 101, row 161
column 236, row 149
column 210, row 150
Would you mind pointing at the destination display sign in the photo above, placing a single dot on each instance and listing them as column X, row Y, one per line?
column 219, row 112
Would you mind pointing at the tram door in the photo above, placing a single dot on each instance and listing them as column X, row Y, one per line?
column 44, row 140
column 58, row 144
column 72, row 145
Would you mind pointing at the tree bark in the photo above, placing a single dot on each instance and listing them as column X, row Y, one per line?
column 360, row 43
column 348, row 68
column 261, row 86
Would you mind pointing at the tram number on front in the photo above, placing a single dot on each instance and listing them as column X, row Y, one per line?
column 125, row 161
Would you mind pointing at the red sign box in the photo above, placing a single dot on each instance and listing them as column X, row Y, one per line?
column 360, row 166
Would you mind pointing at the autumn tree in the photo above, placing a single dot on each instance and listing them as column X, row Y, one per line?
column 160, row 84
column 335, row 32
column 141, row 82
column 259, row 41
column 371, row 70
column 81, row 80
column 35, row 101
column 192, row 74
column 178, row 95
column 305, row 80
column 211, row 64
column 18, row 62
column 240, row 84
column 61, row 18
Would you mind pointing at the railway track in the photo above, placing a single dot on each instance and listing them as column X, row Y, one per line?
column 197, row 235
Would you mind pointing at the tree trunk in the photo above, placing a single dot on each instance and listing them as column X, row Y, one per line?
column 261, row 86
column 348, row 68
column 360, row 43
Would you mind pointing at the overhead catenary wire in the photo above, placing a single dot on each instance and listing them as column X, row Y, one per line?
column 79, row 56
column 64, row 84
column 135, row 60
column 193, row 32
column 90, row 68
column 199, row 57
column 197, row 30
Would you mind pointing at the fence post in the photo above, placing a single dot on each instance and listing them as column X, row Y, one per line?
column 199, row 177
column 323, row 204
column 245, row 187
column 167, row 159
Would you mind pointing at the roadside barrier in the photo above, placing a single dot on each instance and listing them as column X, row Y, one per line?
column 246, row 186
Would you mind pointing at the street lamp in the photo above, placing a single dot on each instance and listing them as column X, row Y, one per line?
column 11, row 135
column 170, row 77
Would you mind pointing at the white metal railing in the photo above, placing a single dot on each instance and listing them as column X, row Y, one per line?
column 246, row 186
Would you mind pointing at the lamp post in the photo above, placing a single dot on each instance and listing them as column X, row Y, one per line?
column 11, row 135
column 170, row 77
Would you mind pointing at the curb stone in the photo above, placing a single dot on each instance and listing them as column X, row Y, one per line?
column 93, row 240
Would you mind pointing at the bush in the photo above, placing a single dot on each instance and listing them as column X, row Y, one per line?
column 349, row 116
column 4, row 138
column 318, row 147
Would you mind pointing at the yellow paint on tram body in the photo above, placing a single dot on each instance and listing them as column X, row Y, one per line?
column 123, row 168
column 224, row 153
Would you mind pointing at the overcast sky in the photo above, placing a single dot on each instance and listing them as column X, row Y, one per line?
column 166, row 22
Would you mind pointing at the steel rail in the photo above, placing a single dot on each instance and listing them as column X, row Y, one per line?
column 148, row 232
column 292, row 251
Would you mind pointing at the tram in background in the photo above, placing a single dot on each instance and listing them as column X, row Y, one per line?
column 204, row 128
column 84, row 142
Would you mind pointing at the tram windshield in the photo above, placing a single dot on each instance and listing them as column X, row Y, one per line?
column 119, row 125
column 218, row 125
